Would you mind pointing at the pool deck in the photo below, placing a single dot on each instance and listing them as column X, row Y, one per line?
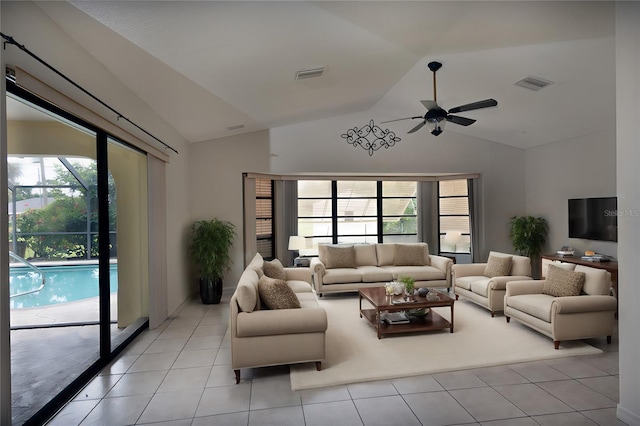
column 85, row 310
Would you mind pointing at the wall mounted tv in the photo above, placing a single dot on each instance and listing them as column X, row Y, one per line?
column 594, row 218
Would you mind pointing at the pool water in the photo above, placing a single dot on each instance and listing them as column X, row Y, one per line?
column 63, row 284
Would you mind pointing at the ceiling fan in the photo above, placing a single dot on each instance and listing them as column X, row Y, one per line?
column 436, row 117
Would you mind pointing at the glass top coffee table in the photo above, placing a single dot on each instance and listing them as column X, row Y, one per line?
column 380, row 303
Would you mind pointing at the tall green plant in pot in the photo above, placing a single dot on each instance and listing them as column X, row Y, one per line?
column 528, row 234
column 210, row 244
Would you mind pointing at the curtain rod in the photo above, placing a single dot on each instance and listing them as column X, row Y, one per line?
column 11, row 40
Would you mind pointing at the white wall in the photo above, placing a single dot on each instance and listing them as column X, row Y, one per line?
column 215, row 187
column 318, row 147
column 628, row 148
column 576, row 168
column 19, row 20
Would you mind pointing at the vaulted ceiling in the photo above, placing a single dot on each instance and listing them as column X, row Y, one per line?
column 205, row 67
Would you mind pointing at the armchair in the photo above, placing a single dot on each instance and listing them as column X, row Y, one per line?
column 590, row 313
column 485, row 283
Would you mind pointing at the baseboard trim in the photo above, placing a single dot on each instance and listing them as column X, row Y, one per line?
column 630, row 418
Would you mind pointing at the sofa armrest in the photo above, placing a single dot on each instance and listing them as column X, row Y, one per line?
column 441, row 262
column 584, row 303
column 516, row 288
column 468, row 269
column 500, row 283
column 298, row 274
column 316, row 265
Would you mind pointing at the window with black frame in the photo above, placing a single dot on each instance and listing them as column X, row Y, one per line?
column 454, row 220
column 264, row 217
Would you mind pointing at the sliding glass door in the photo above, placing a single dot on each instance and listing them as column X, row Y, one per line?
column 79, row 255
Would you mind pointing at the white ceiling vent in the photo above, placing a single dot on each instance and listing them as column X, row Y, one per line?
column 236, row 127
column 310, row 73
column 533, row 83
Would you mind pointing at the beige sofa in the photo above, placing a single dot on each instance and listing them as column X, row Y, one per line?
column 262, row 337
column 344, row 267
column 589, row 314
column 469, row 280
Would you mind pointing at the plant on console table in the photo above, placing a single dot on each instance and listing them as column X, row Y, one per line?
column 528, row 234
column 211, row 241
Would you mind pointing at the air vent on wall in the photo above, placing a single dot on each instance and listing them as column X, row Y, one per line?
column 533, row 83
column 310, row 73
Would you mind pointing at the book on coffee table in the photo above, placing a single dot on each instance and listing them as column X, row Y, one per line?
column 396, row 318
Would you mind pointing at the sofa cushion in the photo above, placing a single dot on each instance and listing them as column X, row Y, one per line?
column 274, row 269
column 481, row 287
column 342, row 275
column 465, row 282
column 560, row 282
column 411, row 255
column 520, row 265
column 340, row 257
column 418, row 273
column 596, row 281
column 561, row 265
column 375, row 274
column 247, row 291
column 537, row 305
column 365, row 255
column 385, row 253
column 498, row 266
column 276, row 294
column 300, row 286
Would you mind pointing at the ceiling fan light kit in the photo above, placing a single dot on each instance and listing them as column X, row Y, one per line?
column 436, row 117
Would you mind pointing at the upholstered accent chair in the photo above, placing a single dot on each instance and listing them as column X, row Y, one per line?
column 571, row 303
column 485, row 283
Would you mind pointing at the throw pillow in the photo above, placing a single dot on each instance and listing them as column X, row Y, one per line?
column 409, row 255
column 274, row 269
column 560, row 282
column 498, row 266
column 276, row 294
column 340, row 257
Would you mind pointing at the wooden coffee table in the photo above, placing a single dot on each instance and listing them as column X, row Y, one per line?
column 380, row 302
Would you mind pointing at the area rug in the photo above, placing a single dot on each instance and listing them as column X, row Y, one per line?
column 355, row 354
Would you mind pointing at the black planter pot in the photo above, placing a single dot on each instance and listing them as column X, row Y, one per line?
column 210, row 291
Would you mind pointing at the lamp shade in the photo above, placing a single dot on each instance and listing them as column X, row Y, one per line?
column 297, row 242
column 451, row 238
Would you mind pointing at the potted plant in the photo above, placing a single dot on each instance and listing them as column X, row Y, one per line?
column 528, row 234
column 409, row 285
column 210, row 244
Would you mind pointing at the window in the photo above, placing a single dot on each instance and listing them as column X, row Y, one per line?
column 453, row 216
column 357, row 211
column 264, row 217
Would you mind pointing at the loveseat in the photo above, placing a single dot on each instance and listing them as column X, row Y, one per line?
column 572, row 302
column 349, row 267
column 263, row 337
column 485, row 283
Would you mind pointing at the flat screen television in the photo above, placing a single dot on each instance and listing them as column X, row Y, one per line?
column 594, row 218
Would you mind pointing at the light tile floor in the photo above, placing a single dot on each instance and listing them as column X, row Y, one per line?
column 180, row 375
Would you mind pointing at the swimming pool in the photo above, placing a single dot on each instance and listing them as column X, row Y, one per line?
column 63, row 284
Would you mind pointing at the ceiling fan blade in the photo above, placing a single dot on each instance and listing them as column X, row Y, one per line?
column 430, row 104
column 400, row 119
column 418, row 127
column 475, row 105
column 463, row 121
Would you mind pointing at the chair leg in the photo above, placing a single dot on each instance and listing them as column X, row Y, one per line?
column 508, row 319
column 237, row 376
column 457, row 295
column 556, row 343
column 318, row 365
column 493, row 314
column 608, row 340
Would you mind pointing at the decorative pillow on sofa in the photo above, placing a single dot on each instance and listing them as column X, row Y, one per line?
column 274, row 269
column 409, row 255
column 340, row 257
column 276, row 294
column 498, row 266
column 560, row 282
